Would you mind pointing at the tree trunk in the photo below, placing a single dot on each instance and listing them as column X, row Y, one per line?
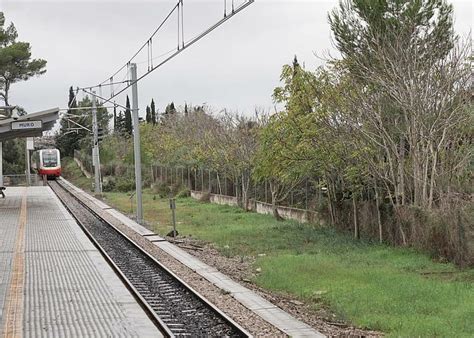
column 401, row 171
column 400, row 227
column 238, row 192
column 219, row 184
column 189, row 178
column 330, row 206
column 274, row 193
column 379, row 218
column 245, row 199
column 434, row 163
column 425, row 179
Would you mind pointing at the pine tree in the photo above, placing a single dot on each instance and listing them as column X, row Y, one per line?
column 153, row 112
column 67, row 141
column 16, row 63
column 120, row 123
column 170, row 109
column 128, row 128
column 148, row 114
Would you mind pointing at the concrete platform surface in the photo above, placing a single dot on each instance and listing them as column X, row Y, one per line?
column 53, row 281
column 266, row 310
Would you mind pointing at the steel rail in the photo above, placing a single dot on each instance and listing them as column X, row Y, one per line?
column 128, row 284
column 148, row 309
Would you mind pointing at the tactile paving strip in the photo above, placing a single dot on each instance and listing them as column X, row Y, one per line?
column 9, row 213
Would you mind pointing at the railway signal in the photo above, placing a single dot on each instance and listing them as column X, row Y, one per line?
column 100, row 134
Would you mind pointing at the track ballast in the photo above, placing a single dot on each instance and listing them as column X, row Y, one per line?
column 179, row 310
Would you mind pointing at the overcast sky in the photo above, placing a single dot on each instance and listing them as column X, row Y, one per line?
column 235, row 67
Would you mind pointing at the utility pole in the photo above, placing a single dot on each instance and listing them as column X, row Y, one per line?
column 95, row 148
column 136, row 143
column 27, row 160
column 1, row 164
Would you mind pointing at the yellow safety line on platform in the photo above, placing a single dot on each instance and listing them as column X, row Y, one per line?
column 13, row 324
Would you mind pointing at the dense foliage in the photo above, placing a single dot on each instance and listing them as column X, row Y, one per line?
column 16, row 65
column 15, row 60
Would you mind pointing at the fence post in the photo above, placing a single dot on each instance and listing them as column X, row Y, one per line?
column 306, row 194
column 266, row 200
column 189, row 178
column 225, row 185
column 210, row 184
column 173, row 214
column 202, row 179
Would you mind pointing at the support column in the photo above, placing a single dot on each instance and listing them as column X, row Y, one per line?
column 136, row 143
column 1, row 164
column 95, row 148
column 27, row 158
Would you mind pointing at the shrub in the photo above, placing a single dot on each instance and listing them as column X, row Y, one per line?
column 125, row 184
column 184, row 192
column 109, row 183
column 161, row 188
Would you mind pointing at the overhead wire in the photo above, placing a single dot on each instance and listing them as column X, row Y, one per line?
column 174, row 51
column 145, row 44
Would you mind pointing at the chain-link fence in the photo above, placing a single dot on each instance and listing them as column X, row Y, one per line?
column 307, row 195
column 21, row 180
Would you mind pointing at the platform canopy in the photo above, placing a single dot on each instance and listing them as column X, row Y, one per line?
column 29, row 125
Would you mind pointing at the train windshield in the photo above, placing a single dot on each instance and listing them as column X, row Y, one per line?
column 50, row 160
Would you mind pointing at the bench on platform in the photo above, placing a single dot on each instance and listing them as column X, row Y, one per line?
column 1, row 192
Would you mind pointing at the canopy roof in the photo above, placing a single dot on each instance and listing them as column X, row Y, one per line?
column 11, row 128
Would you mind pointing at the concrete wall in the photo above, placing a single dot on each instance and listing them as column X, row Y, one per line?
column 300, row 215
column 215, row 198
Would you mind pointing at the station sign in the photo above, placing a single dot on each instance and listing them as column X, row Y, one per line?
column 26, row 125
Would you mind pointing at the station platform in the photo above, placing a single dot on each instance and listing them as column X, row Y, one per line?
column 53, row 281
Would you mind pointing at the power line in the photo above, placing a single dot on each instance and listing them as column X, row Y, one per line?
column 145, row 44
column 183, row 47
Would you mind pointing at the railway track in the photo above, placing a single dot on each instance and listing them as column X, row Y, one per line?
column 174, row 307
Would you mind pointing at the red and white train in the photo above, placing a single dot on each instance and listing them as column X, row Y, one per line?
column 47, row 162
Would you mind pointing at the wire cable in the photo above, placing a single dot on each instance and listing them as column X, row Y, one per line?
column 174, row 51
column 144, row 45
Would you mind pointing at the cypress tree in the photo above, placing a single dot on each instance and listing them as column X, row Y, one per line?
column 128, row 128
column 148, row 114
column 115, row 119
column 67, row 141
column 153, row 112
column 120, row 123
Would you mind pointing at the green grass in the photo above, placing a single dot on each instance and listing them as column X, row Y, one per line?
column 394, row 290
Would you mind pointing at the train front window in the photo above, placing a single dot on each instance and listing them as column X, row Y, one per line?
column 50, row 160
